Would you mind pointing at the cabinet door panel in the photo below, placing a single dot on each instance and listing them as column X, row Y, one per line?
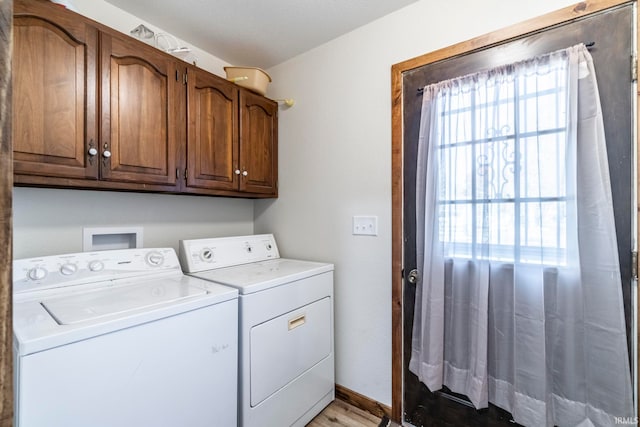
column 212, row 141
column 258, row 144
column 138, row 116
column 54, row 96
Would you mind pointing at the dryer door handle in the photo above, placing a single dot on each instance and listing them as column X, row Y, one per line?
column 297, row 321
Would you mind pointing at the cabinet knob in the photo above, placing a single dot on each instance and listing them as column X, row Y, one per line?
column 237, row 171
column 245, row 173
column 106, row 154
column 93, row 151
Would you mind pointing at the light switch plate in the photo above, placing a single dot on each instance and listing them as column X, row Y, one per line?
column 365, row 225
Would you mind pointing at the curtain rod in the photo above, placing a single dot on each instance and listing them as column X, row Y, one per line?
column 588, row 45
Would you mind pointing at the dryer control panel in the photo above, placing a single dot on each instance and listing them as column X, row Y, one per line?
column 207, row 254
column 57, row 271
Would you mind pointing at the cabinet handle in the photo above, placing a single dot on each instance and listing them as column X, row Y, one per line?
column 92, row 151
column 237, row 171
column 245, row 173
column 106, row 154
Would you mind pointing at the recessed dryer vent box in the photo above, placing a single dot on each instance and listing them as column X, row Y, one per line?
column 107, row 238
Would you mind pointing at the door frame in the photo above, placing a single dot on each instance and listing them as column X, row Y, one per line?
column 561, row 16
column 6, row 217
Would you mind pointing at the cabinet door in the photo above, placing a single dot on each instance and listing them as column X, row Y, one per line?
column 54, row 93
column 212, row 136
column 258, row 144
column 139, row 112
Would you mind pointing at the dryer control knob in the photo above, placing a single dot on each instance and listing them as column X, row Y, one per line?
column 155, row 259
column 96, row 265
column 206, row 254
column 68, row 269
column 37, row 273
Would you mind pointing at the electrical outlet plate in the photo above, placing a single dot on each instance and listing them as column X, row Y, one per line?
column 365, row 225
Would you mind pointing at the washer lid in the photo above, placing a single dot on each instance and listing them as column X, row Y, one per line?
column 38, row 320
column 70, row 309
column 258, row 276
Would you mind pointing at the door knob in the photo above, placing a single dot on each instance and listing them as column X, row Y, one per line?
column 106, row 154
column 413, row 276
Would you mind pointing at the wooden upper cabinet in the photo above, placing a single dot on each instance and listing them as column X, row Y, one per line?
column 232, row 141
column 212, row 136
column 258, row 144
column 54, row 86
column 139, row 115
column 94, row 108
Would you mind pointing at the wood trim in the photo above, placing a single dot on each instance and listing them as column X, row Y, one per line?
column 363, row 402
column 396, row 243
column 6, row 225
column 568, row 14
column 636, row 386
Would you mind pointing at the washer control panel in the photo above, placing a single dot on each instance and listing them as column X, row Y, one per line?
column 87, row 267
column 206, row 254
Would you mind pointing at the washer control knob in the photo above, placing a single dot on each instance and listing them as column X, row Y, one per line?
column 68, row 269
column 96, row 265
column 206, row 254
column 155, row 259
column 37, row 273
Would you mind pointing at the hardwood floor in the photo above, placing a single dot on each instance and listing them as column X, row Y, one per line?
column 341, row 414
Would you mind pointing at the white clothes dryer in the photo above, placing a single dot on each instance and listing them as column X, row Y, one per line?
column 286, row 326
column 122, row 338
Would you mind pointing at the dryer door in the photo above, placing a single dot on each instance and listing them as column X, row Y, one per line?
column 285, row 347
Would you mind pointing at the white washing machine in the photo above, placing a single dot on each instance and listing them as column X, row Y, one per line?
column 122, row 338
column 286, row 326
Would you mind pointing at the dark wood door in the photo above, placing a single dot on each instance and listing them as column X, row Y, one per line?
column 612, row 32
column 139, row 112
column 212, row 132
column 54, row 84
column 258, row 144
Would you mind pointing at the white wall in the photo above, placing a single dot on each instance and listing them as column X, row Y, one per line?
column 116, row 18
column 335, row 162
column 50, row 221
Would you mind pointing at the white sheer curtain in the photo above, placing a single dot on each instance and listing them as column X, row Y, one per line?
column 520, row 301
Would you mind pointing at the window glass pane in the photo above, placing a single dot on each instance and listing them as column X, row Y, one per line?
column 456, row 173
column 495, row 167
column 543, row 99
column 542, row 113
column 495, row 231
column 456, row 122
column 542, row 166
column 456, row 229
column 494, row 113
column 543, row 232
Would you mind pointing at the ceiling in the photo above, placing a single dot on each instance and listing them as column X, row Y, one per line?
column 258, row 33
